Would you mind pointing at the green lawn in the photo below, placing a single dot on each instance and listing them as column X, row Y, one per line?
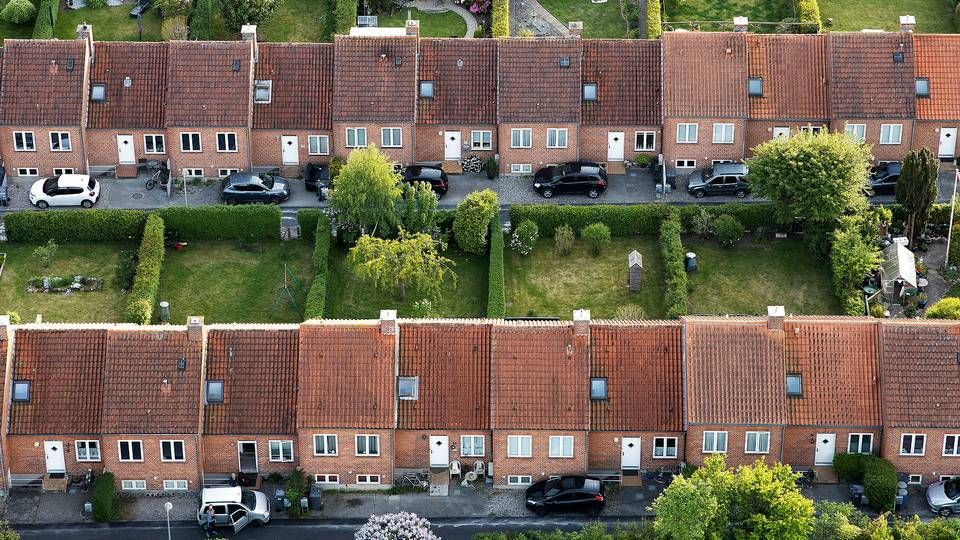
column 19, row 31
column 746, row 279
column 348, row 298
column 545, row 285
column 446, row 24
column 109, row 23
column 599, row 20
column 91, row 260
column 298, row 20
column 723, row 11
column 226, row 283
column 933, row 16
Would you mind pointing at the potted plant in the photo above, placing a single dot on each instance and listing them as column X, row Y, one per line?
column 922, row 300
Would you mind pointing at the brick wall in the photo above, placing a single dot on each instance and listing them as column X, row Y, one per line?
column 220, row 453
column 401, row 155
column 413, row 452
column 208, row 158
column 538, row 155
column 761, row 131
column 594, row 141
column 932, row 464
column 539, row 466
column 267, row 148
column 881, row 152
column 736, row 441
column 347, row 464
column 704, row 151
column 430, row 141
column 25, row 454
column 42, row 158
column 799, row 443
column 152, row 468
column 102, row 147
column 605, row 453
column 926, row 134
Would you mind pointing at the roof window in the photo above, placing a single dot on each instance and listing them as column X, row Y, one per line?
column 426, row 89
column 263, row 91
column 590, row 92
column 70, row 64
column 794, row 384
column 408, row 387
column 21, row 390
column 98, row 92
column 214, row 391
column 755, row 87
column 236, row 65
column 898, row 57
column 923, row 87
column 564, row 61
column 598, row 388
column 398, row 61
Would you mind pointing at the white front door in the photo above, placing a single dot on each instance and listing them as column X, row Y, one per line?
column 125, row 149
column 439, row 450
column 826, row 446
column 53, row 455
column 630, row 453
column 948, row 142
column 290, row 149
column 451, row 145
column 615, row 146
column 781, row 132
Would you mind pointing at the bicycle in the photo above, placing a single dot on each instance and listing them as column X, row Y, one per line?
column 414, row 480
column 157, row 177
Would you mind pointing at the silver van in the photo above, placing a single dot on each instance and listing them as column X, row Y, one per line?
column 234, row 507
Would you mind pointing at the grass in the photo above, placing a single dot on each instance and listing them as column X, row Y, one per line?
column 723, row 11
column 298, row 20
column 93, row 260
column 545, row 285
column 446, row 24
column 599, row 20
column 18, row 31
column 348, row 298
column 109, row 23
column 752, row 276
column 225, row 283
column 933, row 16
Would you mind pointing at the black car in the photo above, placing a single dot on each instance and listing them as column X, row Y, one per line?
column 883, row 178
column 572, row 177
column 253, row 188
column 431, row 175
column 566, row 494
column 721, row 179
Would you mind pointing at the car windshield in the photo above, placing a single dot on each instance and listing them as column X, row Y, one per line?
column 92, row 184
column 952, row 488
column 248, row 498
column 267, row 181
column 551, row 488
column 50, row 184
column 707, row 173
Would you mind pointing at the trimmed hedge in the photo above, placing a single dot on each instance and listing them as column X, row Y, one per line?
column 71, row 226
column 675, row 275
column 317, row 295
column 220, row 222
column 496, row 289
column 654, row 22
column 808, row 11
column 849, row 467
column 308, row 218
column 751, row 216
column 879, row 483
column 146, row 281
column 623, row 220
column 102, row 497
column 46, row 21
column 500, row 17
column 345, row 13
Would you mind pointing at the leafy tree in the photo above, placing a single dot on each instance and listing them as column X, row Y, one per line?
column 402, row 525
column 201, row 20
column 917, row 189
column 18, row 11
column 419, row 212
column 837, row 521
column 366, row 192
column 237, row 13
column 473, row 220
column 947, row 308
column 852, row 257
column 6, row 533
column 411, row 261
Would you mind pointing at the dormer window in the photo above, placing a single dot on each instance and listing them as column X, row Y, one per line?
column 755, row 87
column 98, row 92
column 262, row 91
column 590, row 92
column 426, row 89
column 21, row 390
column 923, row 87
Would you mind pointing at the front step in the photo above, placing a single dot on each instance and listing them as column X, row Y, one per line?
column 452, row 167
column 616, row 167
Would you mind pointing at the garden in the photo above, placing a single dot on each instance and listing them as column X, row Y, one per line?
column 933, row 16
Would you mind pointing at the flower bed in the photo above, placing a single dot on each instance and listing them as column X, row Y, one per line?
column 64, row 284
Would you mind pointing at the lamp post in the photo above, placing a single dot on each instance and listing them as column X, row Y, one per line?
column 168, row 506
column 953, row 198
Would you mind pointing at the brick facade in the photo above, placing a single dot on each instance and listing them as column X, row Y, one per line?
column 538, row 155
column 881, row 152
column 152, row 469
column 25, row 454
column 267, row 148
column 102, row 145
column 42, row 158
column 346, row 463
column 605, row 449
column 539, row 466
column 736, row 444
column 926, row 134
column 208, row 158
column 594, row 141
column 220, row 453
column 430, row 141
column 704, row 151
column 799, row 443
column 932, row 464
column 404, row 154
column 413, row 447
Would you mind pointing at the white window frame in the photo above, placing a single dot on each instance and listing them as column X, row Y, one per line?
column 129, row 444
column 172, row 445
column 355, row 133
column 685, row 129
column 687, row 163
column 661, row 442
column 314, row 140
column 519, row 480
column 368, row 479
column 175, row 485
column 857, row 132
column 326, row 478
column 416, row 388
column 326, row 450
column 519, row 442
column 889, row 129
column 480, row 144
column 223, row 173
column 521, row 168
column 193, row 172
column 226, row 136
column 860, row 437
column 473, row 446
column 23, row 146
column 28, row 171
column 714, row 449
column 133, row 485
column 281, row 445
column 956, row 445
column 367, row 452
column 153, row 138
column 758, row 439
column 60, row 137
column 636, row 139
column 913, row 444
column 722, row 127
column 391, row 133
column 915, row 479
column 263, row 85
column 190, row 139
column 57, row 171
column 556, row 133
column 87, row 445
column 811, row 130
column 562, row 440
column 523, row 136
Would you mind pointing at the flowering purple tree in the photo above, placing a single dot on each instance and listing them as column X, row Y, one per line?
column 400, row 526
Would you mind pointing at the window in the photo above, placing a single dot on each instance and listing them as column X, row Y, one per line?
column 57, row 171
column 175, row 485
column 519, row 446
column 326, row 478
column 890, row 133
column 153, row 144
column 645, row 141
column 88, row 450
column 598, row 388
column 794, row 384
column 391, row 137
column 923, row 87
column 223, row 173
column 915, row 479
column 368, row 445
column 687, row 133
column 911, row 444
column 714, row 442
column 28, row 171
column 318, row 145
column 368, row 478
column 472, row 445
column 356, row 137
column 21, row 390
column 281, row 451
column 130, row 450
column 193, row 173
column 945, row 477
column 23, row 141
column 557, row 138
column 262, row 91
column 481, row 140
column 811, row 130
column 408, row 387
column 98, row 92
column 755, row 87
column 514, row 480
column 758, row 442
column 214, row 391
column 171, row 451
column 226, row 142
column 723, row 134
column 521, row 138
column 686, row 163
column 521, row 168
column 561, row 447
column 860, row 443
column 59, row 141
column 590, row 92
column 951, row 445
column 426, row 89
column 325, row 445
column 664, row 447
column 133, row 485
column 190, row 142
column 857, row 132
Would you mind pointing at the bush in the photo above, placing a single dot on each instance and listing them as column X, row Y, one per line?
column 201, row 21
column 173, row 8
column 317, row 295
column 146, row 280
column 237, row 13
column 174, row 28
column 525, row 237
column 641, row 219
column 102, row 498
column 66, row 226
column 295, row 489
column 563, row 239
column 15, row 317
column 43, row 255
column 490, row 167
column 702, row 223
column 729, row 230
column 336, row 163
column 752, row 216
column 877, row 311
column 473, row 219
column 852, row 304
column 18, row 11
column 500, row 25
column 946, row 308
column 46, row 19
column 879, row 483
column 809, row 14
column 675, row 274
column 654, row 23
column 849, row 467
column 220, row 222
column 479, row 31
column 496, row 289
column 345, row 13
column 597, row 236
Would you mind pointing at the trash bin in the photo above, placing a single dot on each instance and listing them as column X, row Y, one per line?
column 690, row 261
column 901, row 498
column 279, row 500
column 316, row 497
column 856, row 494
column 672, row 178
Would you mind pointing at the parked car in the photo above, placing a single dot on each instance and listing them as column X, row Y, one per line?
column 721, row 179
column 65, row 190
column 234, row 507
column 572, row 177
column 252, row 188
column 943, row 497
column 566, row 494
column 883, row 178
column 432, row 175
column 4, row 198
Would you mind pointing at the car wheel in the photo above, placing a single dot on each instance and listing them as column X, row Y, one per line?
column 699, row 194
column 741, row 193
column 593, row 193
column 276, row 200
column 945, row 512
column 540, row 511
column 547, row 193
column 42, row 205
column 86, row 204
column 230, row 201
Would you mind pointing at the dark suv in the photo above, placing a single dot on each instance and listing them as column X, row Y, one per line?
column 883, row 178
column 431, row 175
column 566, row 494
column 572, row 177
column 251, row 188
column 721, row 179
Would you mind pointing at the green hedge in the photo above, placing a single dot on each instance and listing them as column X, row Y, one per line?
column 102, row 497
column 500, row 25
column 675, row 274
column 654, row 22
column 345, row 13
column 317, row 296
column 751, row 216
column 808, row 11
column 849, row 467
column 623, row 220
column 74, row 226
column 201, row 20
column 146, row 281
column 880, row 483
column 496, row 299
column 46, row 21
column 308, row 218
column 251, row 222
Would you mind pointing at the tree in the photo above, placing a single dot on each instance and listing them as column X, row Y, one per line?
column 419, row 207
column 947, row 308
column 837, row 521
column 411, row 261
column 6, row 533
column 399, row 526
column 917, row 189
column 473, row 220
column 366, row 192
column 237, row 13
column 18, row 11
column 852, row 257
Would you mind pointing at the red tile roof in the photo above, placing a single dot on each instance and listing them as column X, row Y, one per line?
column 203, row 89
column 539, row 377
column 464, row 74
column 259, row 373
column 302, row 79
column 627, row 75
column 735, row 371
column 346, row 376
column 643, row 367
column 793, row 69
column 533, row 85
column 937, row 61
column 65, row 370
column 839, row 365
column 139, row 105
column 867, row 77
column 705, row 75
column 143, row 389
column 39, row 87
column 369, row 86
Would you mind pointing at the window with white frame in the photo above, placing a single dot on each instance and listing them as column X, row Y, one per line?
column 171, row 451
column 223, row 173
column 590, row 91
column 175, row 485
column 133, row 485
column 391, row 137
column 481, row 140
column 757, row 442
column 857, row 132
column 472, row 445
column 226, row 142
column 519, row 480
column 356, row 137
column 645, row 141
column 561, row 446
column 912, row 444
column 326, row 478
column 945, row 477
column 281, row 451
column 686, row 163
column 368, row 478
column 719, row 161
column 521, row 168
column 263, row 91
column 860, row 443
column 87, row 450
column 60, row 141
column 324, row 444
column 687, row 133
column 368, row 445
column 890, row 133
column 521, row 138
column 519, row 446
column 951, row 445
column 318, row 145
column 915, row 479
column 811, row 130
column 154, row 144
column 190, row 142
column 130, row 450
column 408, row 388
column 723, row 134
column 193, row 173
column 664, row 447
column 556, row 137
column 714, row 442
column 28, row 171
column 23, row 141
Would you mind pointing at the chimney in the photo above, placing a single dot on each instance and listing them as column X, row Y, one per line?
column 581, row 322
column 575, row 28
column 85, row 33
column 775, row 318
column 388, row 322
column 740, row 24
column 194, row 328
column 413, row 28
column 908, row 23
column 248, row 32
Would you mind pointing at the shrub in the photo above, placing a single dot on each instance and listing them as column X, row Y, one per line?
column 752, row 216
column 654, row 23
column 675, row 274
column 852, row 303
column 877, row 311
column 201, row 20
column 102, row 498
column 702, row 223
column 18, row 11
column 849, row 467
column 43, row 255
column 852, row 258
column 173, row 8
column 237, row 13
column 174, row 28
column 490, row 167
column 642, row 160
column 66, row 226
column 295, row 489
column 480, row 31
column 642, row 219
column 251, row 222
column 809, row 14
column 317, row 295
column 525, row 237
column 879, row 483
column 500, row 25
column 496, row 289
column 597, row 236
column 345, row 13
column 15, row 317
column 729, row 230
column 146, row 280
column 563, row 239
column 46, row 19
column 473, row 219
column 336, row 163
column 946, row 308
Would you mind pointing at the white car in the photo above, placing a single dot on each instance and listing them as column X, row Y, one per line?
column 65, row 190
column 233, row 507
